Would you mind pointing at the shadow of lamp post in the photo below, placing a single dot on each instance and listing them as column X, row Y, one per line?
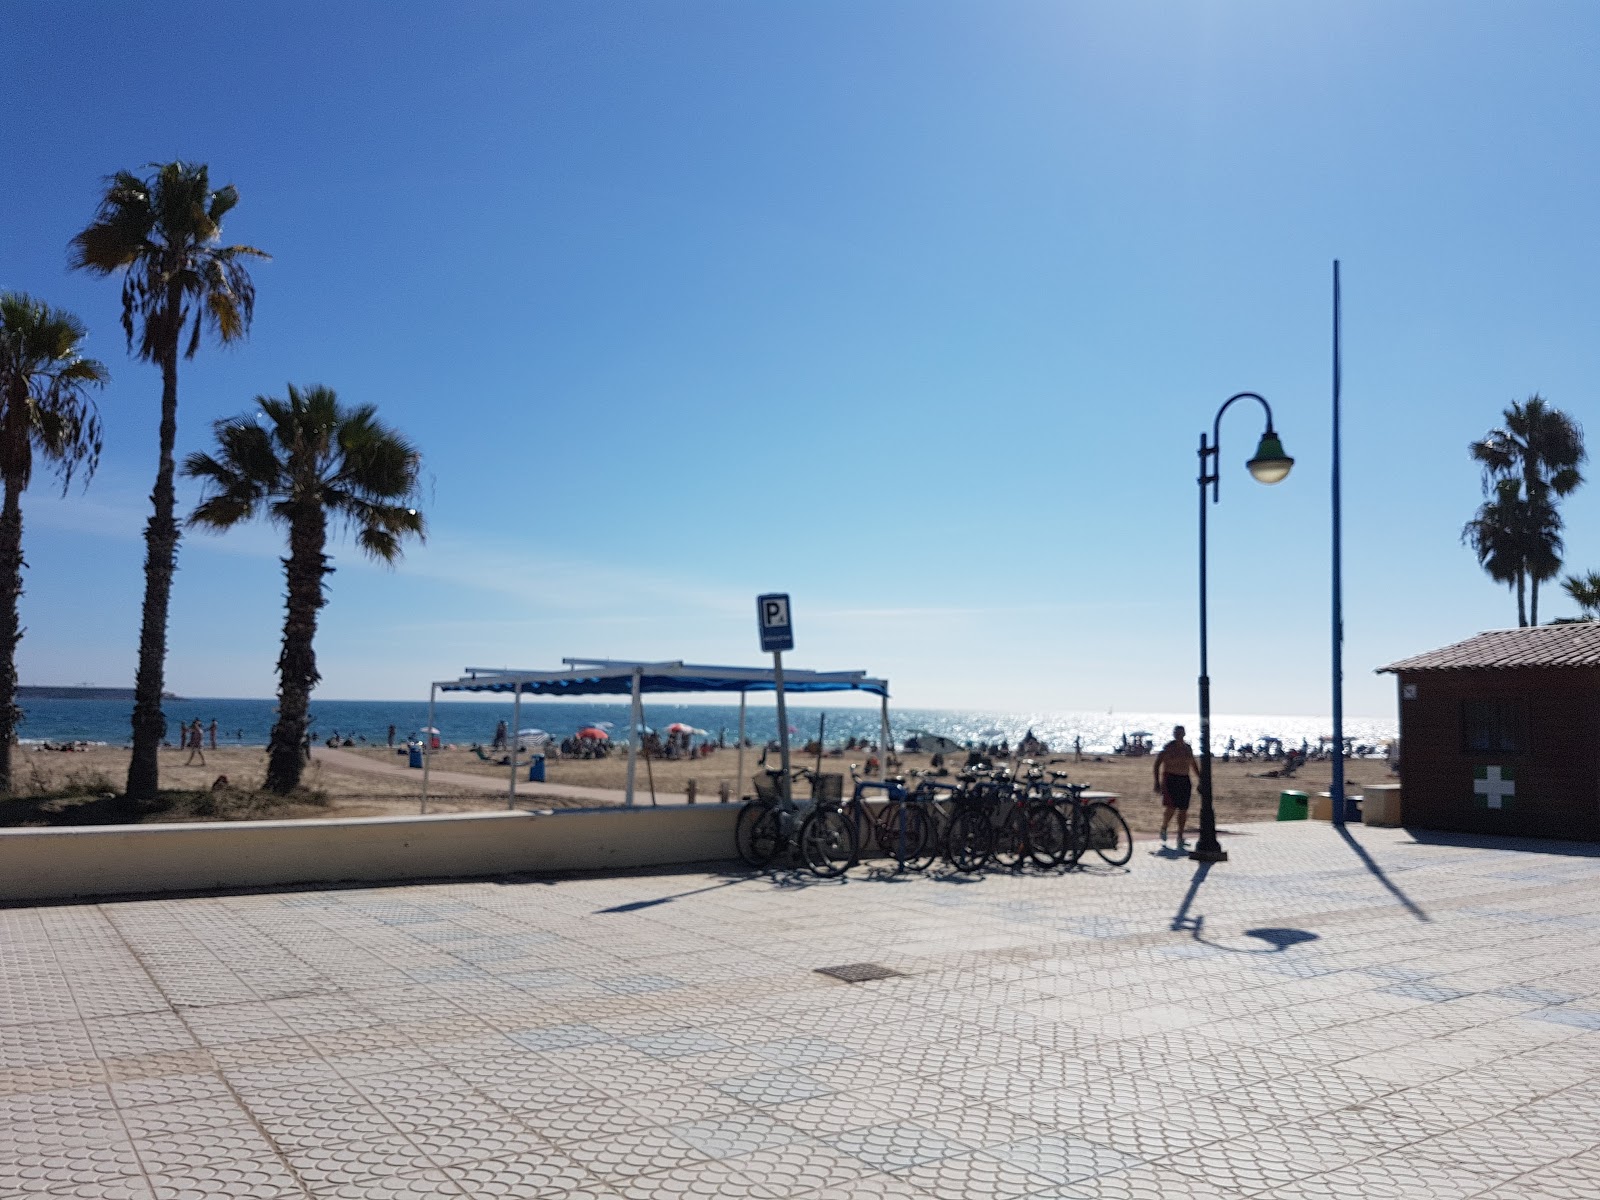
column 1270, row 465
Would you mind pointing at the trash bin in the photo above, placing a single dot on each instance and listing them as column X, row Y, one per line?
column 1292, row 806
column 414, row 758
column 536, row 769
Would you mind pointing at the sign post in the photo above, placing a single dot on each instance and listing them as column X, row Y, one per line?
column 777, row 635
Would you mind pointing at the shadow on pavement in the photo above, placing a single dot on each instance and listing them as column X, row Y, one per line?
column 1371, row 864
column 1278, row 938
column 1491, row 841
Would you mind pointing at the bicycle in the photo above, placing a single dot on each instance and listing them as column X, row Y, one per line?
column 1031, row 829
column 969, row 837
column 1095, row 825
column 903, row 827
column 768, row 820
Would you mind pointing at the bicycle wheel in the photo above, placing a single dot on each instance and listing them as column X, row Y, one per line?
column 886, row 829
column 922, row 840
column 1108, row 834
column 1077, row 831
column 757, row 854
column 1010, row 847
column 906, row 838
column 1049, row 838
column 860, row 816
column 827, row 843
column 968, row 840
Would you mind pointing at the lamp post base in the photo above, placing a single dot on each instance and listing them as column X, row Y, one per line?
column 1217, row 855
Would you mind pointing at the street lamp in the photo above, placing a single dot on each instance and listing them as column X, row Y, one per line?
column 1270, row 465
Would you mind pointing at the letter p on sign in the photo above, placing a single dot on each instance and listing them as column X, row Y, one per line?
column 772, row 618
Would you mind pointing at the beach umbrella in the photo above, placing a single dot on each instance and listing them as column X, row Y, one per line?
column 429, row 729
column 533, row 733
column 992, row 733
column 680, row 727
column 591, row 734
column 606, row 725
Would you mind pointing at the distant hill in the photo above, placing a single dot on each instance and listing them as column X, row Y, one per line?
column 82, row 693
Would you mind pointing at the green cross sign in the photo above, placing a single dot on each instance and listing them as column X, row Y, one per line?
column 1494, row 787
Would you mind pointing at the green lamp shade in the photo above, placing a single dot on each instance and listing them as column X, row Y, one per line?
column 1271, row 464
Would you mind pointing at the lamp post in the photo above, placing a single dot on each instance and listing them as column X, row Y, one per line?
column 1270, row 465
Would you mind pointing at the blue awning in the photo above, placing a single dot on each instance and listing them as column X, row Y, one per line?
column 608, row 677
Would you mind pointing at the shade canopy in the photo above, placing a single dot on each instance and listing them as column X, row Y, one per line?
column 611, row 677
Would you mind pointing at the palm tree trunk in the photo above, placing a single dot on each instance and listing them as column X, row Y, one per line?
column 10, row 631
column 297, row 663
column 1522, row 607
column 160, row 563
column 1533, row 600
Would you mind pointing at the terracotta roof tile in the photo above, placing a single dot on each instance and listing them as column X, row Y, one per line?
column 1572, row 645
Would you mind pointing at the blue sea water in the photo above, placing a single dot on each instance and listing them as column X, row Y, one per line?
column 248, row 722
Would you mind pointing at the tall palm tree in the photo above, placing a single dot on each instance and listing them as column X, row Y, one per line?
column 1541, row 448
column 300, row 462
column 163, row 234
column 1495, row 535
column 44, row 408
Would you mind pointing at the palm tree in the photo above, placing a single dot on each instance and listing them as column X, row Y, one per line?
column 44, row 407
column 1495, row 536
column 1585, row 591
column 163, row 234
column 300, row 462
column 1541, row 448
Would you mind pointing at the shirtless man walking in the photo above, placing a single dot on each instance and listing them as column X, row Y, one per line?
column 1173, row 765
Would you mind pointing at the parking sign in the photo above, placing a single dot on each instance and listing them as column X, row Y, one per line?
column 772, row 617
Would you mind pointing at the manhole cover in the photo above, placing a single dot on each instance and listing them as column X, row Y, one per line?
column 858, row 972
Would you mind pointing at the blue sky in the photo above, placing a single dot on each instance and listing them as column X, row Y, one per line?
column 914, row 310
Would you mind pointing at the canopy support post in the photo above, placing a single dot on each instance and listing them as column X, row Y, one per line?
column 738, row 771
column 427, row 747
column 516, row 744
column 636, row 719
column 883, row 734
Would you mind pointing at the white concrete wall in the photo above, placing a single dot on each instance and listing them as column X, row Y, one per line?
column 106, row 860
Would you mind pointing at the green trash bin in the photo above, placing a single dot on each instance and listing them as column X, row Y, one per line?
column 1293, row 806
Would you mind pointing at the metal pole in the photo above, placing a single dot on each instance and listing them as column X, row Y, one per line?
column 1208, row 849
column 822, row 726
column 427, row 746
column 1337, row 788
column 635, row 719
column 883, row 733
column 516, row 726
column 738, row 771
column 783, row 722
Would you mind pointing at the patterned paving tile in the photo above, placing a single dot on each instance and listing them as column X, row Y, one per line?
column 1051, row 1036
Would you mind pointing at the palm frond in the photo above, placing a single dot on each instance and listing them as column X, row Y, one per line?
column 44, row 383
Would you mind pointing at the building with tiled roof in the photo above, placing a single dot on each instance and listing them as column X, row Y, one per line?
column 1501, row 733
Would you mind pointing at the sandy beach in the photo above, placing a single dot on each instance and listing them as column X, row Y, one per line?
column 1243, row 792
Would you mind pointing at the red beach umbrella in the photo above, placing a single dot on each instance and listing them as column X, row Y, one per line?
column 592, row 734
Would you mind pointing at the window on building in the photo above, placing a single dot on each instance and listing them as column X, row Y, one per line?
column 1493, row 727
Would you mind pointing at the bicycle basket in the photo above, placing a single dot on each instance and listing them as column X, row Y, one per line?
column 827, row 788
column 766, row 787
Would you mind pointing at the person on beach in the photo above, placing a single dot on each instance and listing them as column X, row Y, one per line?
column 212, row 732
column 1173, row 766
column 195, row 740
column 391, row 737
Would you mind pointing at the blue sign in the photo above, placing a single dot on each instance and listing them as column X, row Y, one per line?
column 772, row 617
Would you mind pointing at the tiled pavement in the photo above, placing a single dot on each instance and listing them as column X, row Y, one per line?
column 1316, row 1018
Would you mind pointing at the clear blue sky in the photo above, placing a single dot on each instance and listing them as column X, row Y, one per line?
column 914, row 310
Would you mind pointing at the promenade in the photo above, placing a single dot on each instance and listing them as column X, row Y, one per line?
column 1321, row 1017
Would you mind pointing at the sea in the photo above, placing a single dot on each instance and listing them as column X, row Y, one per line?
column 248, row 722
